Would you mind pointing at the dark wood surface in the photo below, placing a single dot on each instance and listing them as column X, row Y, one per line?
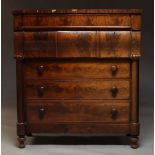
column 73, row 17
column 77, row 44
column 81, row 128
column 78, row 111
column 76, row 89
column 77, row 71
column 71, row 69
column 75, row 20
column 83, row 11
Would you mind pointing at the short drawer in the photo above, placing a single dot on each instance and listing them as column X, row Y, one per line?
column 94, row 89
column 73, row 69
column 57, row 111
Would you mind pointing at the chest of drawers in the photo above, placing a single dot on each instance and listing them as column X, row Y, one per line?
column 77, row 71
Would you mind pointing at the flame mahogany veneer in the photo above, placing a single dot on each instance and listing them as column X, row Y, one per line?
column 77, row 71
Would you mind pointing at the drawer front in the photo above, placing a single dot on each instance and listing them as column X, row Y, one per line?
column 94, row 89
column 115, row 44
column 76, row 69
column 93, row 44
column 35, row 44
column 49, row 112
column 98, row 44
column 77, row 44
column 72, row 20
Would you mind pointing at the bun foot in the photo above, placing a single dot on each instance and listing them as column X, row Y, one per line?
column 134, row 142
column 21, row 142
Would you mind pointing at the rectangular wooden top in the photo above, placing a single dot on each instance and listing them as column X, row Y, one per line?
column 76, row 11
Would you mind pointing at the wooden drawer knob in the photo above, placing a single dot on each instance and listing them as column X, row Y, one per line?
column 41, row 113
column 114, row 69
column 41, row 91
column 114, row 113
column 40, row 69
column 114, row 91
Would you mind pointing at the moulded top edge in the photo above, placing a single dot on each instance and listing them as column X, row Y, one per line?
column 72, row 11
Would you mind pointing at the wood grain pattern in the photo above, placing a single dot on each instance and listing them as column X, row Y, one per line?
column 135, row 92
column 40, row 44
column 77, row 89
column 77, row 69
column 20, row 105
column 77, row 111
column 76, row 44
column 81, row 128
column 21, row 130
column 99, row 44
column 136, row 43
column 75, row 11
column 18, row 44
column 72, row 20
column 114, row 44
column 136, row 22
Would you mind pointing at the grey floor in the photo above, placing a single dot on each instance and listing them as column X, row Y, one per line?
column 46, row 145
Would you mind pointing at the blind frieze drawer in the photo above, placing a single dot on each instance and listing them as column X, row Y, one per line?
column 77, row 43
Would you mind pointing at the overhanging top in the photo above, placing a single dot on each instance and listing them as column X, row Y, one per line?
column 76, row 11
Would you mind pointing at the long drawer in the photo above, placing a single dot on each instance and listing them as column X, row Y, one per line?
column 75, row 69
column 57, row 111
column 82, row 89
column 98, row 44
column 35, row 20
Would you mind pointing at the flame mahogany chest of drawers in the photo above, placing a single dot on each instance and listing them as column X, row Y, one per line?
column 77, row 71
